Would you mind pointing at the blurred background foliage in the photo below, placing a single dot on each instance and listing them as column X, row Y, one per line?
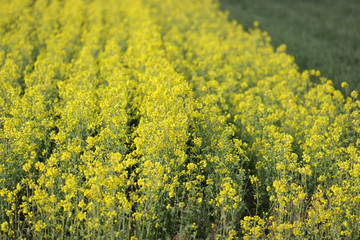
column 320, row 34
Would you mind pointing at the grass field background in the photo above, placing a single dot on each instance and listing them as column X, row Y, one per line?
column 320, row 34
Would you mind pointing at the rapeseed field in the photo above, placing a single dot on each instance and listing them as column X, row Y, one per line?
column 149, row 119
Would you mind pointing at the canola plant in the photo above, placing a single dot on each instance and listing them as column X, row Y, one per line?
column 149, row 119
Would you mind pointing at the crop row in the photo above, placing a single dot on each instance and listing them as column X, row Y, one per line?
column 162, row 119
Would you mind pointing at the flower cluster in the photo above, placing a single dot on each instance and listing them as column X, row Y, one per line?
column 149, row 119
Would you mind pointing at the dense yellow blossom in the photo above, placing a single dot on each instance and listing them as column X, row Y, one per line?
column 149, row 119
